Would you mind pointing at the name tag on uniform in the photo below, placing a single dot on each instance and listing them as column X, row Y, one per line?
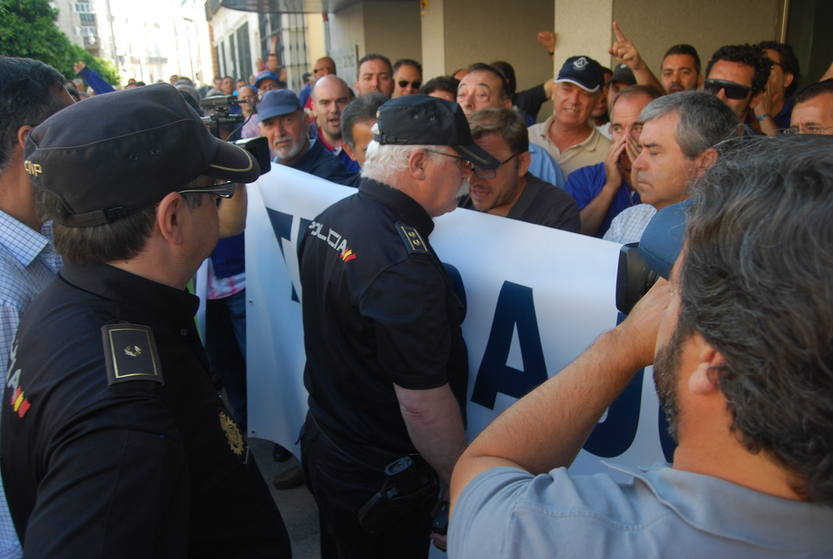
column 130, row 353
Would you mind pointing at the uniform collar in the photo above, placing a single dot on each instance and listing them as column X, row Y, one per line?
column 406, row 208
column 154, row 299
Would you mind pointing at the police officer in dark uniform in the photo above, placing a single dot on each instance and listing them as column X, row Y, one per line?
column 386, row 363
column 114, row 441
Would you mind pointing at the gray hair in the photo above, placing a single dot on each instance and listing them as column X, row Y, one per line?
column 383, row 162
column 705, row 120
column 755, row 283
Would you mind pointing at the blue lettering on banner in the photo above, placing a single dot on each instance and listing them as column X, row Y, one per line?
column 515, row 307
column 282, row 226
column 616, row 433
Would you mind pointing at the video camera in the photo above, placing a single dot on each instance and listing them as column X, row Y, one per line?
column 633, row 279
column 216, row 108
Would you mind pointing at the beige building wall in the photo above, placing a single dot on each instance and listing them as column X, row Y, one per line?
column 315, row 38
column 432, row 30
column 392, row 29
column 655, row 25
column 489, row 30
column 388, row 28
column 582, row 27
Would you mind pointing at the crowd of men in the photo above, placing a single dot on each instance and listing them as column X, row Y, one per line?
column 116, row 442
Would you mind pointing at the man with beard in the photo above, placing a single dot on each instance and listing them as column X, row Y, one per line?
column 283, row 123
column 741, row 336
column 680, row 69
column 386, row 366
column 603, row 190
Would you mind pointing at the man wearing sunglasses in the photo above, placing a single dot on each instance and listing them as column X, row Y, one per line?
column 115, row 442
column 407, row 77
column 737, row 75
column 386, row 366
column 510, row 190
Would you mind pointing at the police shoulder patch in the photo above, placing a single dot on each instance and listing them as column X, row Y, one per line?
column 130, row 353
column 412, row 239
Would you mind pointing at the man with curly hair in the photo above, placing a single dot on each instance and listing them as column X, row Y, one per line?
column 737, row 75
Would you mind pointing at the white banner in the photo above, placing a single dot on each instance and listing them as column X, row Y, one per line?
column 536, row 298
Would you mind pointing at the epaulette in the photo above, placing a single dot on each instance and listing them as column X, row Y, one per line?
column 130, row 353
column 412, row 239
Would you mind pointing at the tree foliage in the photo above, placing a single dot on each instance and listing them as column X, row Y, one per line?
column 28, row 28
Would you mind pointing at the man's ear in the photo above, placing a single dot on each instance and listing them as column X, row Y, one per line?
column 525, row 160
column 700, row 81
column 704, row 380
column 706, row 159
column 348, row 150
column 170, row 216
column 416, row 164
column 22, row 134
column 789, row 78
column 507, row 103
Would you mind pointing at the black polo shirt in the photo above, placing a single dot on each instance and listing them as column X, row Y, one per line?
column 379, row 310
column 114, row 441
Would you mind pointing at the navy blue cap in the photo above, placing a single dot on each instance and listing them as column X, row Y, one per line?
column 422, row 120
column 582, row 71
column 266, row 75
column 663, row 238
column 277, row 102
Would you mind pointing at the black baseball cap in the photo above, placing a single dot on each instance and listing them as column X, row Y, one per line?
column 623, row 74
column 114, row 154
column 582, row 71
column 423, row 120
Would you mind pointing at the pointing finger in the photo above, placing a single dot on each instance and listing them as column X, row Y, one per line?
column 617, row 32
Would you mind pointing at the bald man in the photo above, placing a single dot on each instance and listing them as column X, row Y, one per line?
column 330, row 95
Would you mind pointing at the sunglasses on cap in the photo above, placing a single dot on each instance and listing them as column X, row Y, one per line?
column 733, row 90
column 406, row 83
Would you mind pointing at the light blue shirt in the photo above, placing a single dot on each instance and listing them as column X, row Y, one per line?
column 659, row 512
column 544, row 166
column 27, row 264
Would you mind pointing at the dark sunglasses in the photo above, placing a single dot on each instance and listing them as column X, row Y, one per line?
column 223, row 190
column 733, row 90
column 406, row 83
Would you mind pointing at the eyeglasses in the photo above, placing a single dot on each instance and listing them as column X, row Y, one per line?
column 492, row 173
column 733, row 90
column 406, row 83
column 222, row 190
column 807, row 129
column 482, row 173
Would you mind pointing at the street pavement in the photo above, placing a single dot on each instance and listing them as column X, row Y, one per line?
column 297, row 505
